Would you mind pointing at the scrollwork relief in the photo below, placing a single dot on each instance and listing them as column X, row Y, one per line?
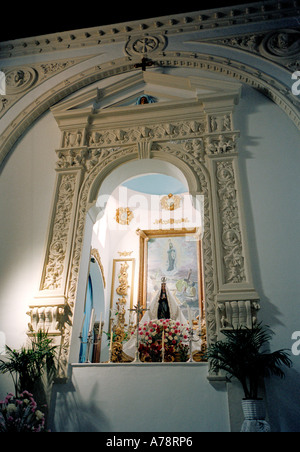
column 231, row 239
column 235, row 314
column 46, row 318
column 163, row 131
column 21, row 79
column 281, row 46
column 56, row 255
column 221, row 144
column 185, row 142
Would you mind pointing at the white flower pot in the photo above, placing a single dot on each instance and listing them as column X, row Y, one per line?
column 254, row 414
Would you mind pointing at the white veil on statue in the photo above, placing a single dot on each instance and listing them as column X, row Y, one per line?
column 175, row 311
column 152, row 314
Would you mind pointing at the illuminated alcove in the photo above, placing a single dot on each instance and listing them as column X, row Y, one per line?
column 140, row 187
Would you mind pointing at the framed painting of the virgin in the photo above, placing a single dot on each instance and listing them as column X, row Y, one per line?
column 176, row 256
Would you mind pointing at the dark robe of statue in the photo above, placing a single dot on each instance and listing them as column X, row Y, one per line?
column 163, row 311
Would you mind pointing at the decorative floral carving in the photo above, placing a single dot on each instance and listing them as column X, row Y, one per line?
column 221, row 144
column 124, row 215
column 57, row 248
column 280, row 46
column 20, row 79
column 282, row 43
column 230, row 227
column 162, row 131
column 170, row 202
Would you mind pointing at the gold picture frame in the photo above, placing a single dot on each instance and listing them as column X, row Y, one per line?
column 188, row 270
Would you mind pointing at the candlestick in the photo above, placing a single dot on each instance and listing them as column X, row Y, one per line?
column 138, row 310
column 163, row 346
column 111, row 335
column 190, row 318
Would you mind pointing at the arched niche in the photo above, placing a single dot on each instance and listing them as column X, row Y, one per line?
column 197, row 138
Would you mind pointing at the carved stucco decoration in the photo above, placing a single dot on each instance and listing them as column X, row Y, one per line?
column 189, row 149
column 176, row 24
column 21, row 79
column 52, row 278
column 280, row 46
column 276, row 91
column 231, row 237
column 145, row 45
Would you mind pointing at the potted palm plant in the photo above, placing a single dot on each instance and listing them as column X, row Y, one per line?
column 33, row 368
column 244, row 355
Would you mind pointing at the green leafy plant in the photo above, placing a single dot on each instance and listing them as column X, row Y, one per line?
column 244, row 355
column 28, row 366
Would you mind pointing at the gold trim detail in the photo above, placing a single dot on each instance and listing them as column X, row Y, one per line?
column 170, row 202
column 124, row 215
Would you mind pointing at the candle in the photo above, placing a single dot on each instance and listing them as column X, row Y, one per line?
column 163, row 347
column 190, row 317
column 91, row 321
column 111, row 335
column 81, row 331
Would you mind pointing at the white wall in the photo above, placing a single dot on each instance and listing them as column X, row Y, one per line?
column 26, row 186
column 269, row 163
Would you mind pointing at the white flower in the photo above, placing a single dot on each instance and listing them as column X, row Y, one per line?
column 11, row 408
column 39, row 415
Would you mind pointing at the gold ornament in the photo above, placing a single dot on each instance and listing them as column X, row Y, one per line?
column 123, row 215
column 170, row 202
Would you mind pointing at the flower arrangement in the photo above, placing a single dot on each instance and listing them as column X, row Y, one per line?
column 20, row 414
column 151, row 335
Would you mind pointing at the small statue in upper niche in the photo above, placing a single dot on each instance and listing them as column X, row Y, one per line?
column 145, row 99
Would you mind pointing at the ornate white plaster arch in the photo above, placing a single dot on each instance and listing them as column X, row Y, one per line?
column 275, row 90
column 196, row 136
